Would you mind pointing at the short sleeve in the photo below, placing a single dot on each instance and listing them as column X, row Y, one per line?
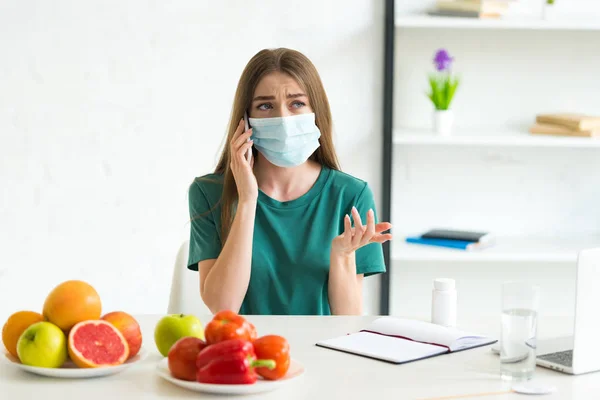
column 205, row 242
column 369, row 258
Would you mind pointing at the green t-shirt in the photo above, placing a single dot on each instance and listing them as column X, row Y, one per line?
column 291, row 244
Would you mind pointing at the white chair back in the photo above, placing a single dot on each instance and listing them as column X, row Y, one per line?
column 185, row 287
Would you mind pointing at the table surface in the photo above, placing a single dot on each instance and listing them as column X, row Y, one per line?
column 329, row 374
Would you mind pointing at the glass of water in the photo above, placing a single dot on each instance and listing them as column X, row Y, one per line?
column 520, row 303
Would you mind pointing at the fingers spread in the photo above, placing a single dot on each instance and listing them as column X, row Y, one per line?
column 382, row 227
column 370, row 229
column 347, row 230
column 381, row 238
column 358, row 228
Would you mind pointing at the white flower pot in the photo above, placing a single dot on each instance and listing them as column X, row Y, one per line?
column 443, row 121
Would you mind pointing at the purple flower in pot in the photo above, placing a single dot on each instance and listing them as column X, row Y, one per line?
column 442, row 83
column 442, row 60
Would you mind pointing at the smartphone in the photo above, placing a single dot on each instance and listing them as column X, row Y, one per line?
column 246, row 127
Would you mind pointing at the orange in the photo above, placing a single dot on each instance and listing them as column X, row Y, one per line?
column 15, row 325
column 72, row 302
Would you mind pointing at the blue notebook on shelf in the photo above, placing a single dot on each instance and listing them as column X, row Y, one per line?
column 449, row 243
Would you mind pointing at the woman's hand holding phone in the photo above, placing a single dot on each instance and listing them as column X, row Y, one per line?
column 241, row 165
column 247, row 128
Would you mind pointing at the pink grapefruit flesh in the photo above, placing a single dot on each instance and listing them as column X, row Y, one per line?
column 97, row 343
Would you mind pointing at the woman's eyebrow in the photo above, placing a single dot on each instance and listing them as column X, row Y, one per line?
column 295, row 95
column 289, row 96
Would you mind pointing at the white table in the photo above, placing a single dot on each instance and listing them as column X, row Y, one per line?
column 329, row 374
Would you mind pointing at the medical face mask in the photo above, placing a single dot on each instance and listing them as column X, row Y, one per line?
column 286, row 141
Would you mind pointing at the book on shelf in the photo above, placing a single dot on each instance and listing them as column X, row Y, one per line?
column 558, row 130
column 457, row 234
column 453, row 238
column 470, row 8
column 451, row 244
column 573, row 121
column 462, row 14
column 399, row 340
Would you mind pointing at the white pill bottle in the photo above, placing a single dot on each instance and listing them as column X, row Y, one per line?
column 444, row 302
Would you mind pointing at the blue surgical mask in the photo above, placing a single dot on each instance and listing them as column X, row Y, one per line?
column 286, row 141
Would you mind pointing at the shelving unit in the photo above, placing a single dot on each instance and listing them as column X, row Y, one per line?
column 424, row 21
column 514, row 249
column 510, row 138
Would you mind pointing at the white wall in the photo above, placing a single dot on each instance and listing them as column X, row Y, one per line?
column 508, row 76
column 108, row 110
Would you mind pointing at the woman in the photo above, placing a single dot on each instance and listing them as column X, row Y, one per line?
column 271, row 228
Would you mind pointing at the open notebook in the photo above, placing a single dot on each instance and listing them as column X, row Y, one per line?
column 399, row 340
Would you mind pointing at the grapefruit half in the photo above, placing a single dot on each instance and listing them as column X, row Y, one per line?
column 97, row 343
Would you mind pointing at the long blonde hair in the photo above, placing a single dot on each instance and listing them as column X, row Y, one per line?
column 299, row 67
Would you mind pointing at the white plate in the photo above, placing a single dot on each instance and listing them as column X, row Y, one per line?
column 70, row 370
column 295, row 371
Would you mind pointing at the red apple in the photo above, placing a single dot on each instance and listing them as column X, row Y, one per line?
column 129, row 327
column 182, row 357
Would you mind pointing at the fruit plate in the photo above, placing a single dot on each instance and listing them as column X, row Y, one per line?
column 294, row 372
column 71, row 371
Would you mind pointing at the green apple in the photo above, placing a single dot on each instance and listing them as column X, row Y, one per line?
column 171, row 328
column 42, row 344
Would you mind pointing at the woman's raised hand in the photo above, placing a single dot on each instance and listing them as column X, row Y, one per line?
column 240, row 166
column 354, row 238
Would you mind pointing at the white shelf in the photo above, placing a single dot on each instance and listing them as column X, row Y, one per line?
column 426, row 21
column 491, row 138
column 514, row 249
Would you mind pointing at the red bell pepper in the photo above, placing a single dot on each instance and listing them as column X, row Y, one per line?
column 227, row 325
column 276, row 348
column 231, row 362
column 220, row 349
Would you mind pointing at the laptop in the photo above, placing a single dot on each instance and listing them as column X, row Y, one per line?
column 580, row 353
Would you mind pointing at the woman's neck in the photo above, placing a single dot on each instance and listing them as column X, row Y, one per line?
column 285, row 184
